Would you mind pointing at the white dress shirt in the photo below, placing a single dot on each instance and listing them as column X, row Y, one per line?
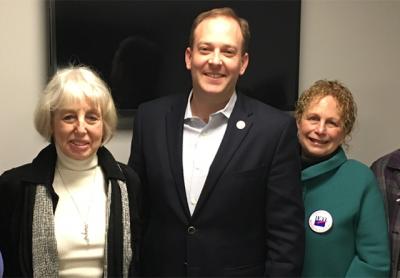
column 200, row 144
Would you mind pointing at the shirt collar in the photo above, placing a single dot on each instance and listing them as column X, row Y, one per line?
column 226, row 111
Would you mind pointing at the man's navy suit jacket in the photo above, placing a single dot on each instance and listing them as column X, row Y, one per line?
column 249, row 220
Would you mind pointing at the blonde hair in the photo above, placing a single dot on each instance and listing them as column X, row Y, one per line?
column 345, row 102
column 70, row 85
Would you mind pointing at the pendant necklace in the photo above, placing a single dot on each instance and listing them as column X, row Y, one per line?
column 85, row 231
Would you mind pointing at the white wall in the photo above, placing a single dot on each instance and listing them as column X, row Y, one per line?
column 22, row 74
column 357, row 42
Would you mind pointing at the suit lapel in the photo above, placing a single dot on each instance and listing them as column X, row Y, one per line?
column 174, row 132
column 239, row 125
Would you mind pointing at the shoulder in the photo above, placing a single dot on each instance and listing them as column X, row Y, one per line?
column 163, row 103
column 11, row 181
column 264, row 114
column 133, row 186
column 130, row 175
column 16, row 173
column 355, row 169
column 39, row 171
column 262, row 108
column 114, row 169
column 393, row 158
column 131, row 179
column 152, row 113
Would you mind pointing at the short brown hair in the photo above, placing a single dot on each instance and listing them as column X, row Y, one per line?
column 223, row 12
column 75, row 83
column 343, row 96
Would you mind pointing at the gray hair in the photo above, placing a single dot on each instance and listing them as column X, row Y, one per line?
column 75, row 84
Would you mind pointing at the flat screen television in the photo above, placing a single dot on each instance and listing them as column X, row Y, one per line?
column 138, row 46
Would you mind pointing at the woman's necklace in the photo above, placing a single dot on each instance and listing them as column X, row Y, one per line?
column 84, row 220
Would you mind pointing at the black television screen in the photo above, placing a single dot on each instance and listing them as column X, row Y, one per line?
column 138, row 46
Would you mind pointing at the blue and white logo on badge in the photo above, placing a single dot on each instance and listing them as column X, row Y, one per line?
column 320, row 221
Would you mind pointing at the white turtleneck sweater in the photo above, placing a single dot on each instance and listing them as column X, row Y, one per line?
column 82, row 200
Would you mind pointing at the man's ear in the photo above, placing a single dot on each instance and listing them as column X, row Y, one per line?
column 188, row 58
column 244, row 63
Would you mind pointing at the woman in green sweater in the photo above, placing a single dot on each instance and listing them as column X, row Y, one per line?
column 346, row 228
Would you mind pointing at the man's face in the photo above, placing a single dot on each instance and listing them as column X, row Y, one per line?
column 216, row 60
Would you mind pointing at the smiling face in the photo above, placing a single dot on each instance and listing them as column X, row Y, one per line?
column 78, row 129
column 216, row 60
column 320, row 128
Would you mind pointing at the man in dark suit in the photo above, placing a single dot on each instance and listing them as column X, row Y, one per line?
column 220, row 170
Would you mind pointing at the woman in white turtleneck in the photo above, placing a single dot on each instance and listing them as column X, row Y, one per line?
column 73, row 211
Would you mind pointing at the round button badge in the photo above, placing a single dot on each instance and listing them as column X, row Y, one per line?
column 320, row 221
column 240, row 124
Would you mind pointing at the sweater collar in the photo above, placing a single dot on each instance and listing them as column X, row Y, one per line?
column 109, row 165
column 76, row 165
column 44, row 164
column 325, row 166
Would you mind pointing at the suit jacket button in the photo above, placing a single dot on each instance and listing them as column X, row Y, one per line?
column 191, row 230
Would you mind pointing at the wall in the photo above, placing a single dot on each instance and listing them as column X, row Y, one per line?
column 355, row 41
column 358, row 43
column 23, row 73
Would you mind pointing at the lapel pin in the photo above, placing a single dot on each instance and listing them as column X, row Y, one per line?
column 320, row 221
column 240, row 124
